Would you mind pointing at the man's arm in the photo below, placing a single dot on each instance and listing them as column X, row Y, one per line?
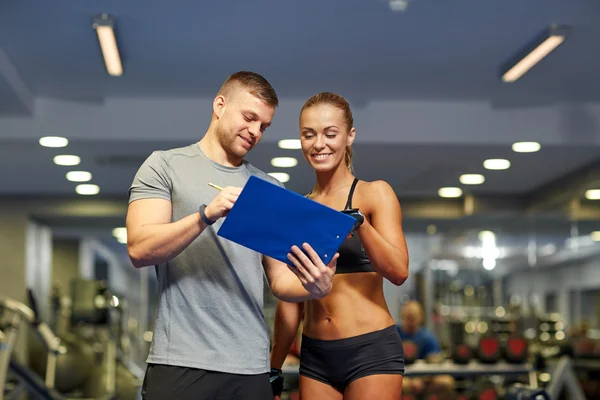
column 285, row 328
column 307, row 279
column 431, row 347
column 153, row 239
column 151, row 236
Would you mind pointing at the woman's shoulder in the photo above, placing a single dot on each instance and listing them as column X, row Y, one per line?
column 375, row 188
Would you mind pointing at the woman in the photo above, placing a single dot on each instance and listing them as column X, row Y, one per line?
column 350, row 348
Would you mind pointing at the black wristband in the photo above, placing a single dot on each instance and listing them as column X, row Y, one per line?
column 276, row 381
column 206, row 220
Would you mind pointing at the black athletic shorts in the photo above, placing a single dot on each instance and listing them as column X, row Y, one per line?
column 339, row 362
column 166, row 382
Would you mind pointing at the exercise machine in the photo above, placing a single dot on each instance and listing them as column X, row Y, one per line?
column 14, row 315
column 82, row 362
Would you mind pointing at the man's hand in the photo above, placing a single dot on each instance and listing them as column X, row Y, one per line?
column 316, row 277
column 221, row 204
column 276, row 383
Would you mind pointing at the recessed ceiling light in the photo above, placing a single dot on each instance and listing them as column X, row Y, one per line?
column 592, row 194
column 486, row 236
column 67, row 160
column 450, row 192
column 121, row 231
column 489, row 263
column 79, row 176
column 284, row 162
column 398, row 5
column 431, row 229
column 120, row 234
column 290, row 144
column 526, row 147
column 472, row 179
column 280, row 176
column 87, row 189
column 54, row 141
column 496, row 164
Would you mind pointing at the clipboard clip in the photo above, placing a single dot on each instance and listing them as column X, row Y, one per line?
column 357, row 215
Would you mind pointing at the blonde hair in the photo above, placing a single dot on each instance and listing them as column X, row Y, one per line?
column 337, row 101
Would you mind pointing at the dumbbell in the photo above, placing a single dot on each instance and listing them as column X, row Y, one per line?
column 432, row 395
column 584, row 348
column 516, row 349
column 489, row 350
column 462, row 353
column 486, row 392
column 411, row 352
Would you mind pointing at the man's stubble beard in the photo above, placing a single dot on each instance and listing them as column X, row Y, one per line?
column 227, row 142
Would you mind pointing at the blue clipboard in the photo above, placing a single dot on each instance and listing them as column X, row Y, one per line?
column 271, row 219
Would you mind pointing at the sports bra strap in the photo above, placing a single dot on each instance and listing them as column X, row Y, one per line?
column 349, row 202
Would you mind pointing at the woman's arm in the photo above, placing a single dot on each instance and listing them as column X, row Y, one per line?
column 382, row 236
column 285, row 328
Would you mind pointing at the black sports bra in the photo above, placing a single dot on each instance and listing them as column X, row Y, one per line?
column 353, row 257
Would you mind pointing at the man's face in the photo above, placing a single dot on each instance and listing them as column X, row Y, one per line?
column 242, row 120
column 411, row 319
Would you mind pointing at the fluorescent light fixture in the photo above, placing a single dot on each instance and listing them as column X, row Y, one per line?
column 526, row 147
column 472, row 179
column 284, row 162
column 104, row 26
column 79, row 176
column 450, row 192
column 280, row 176
column 67, row 160
column 592, row 194
column 496, row 164
column 54, row 141
column 87, row 190
column 535, row 51
column 290, row 144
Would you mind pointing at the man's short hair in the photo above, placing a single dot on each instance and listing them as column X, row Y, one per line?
column 255, row 83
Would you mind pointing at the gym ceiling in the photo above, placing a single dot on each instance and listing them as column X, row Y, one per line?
column 424, row 79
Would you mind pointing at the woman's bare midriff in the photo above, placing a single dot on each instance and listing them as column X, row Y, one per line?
column 355, row 306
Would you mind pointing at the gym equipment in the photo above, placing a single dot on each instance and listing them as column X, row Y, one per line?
column 516, row 349
column 73, row 364
column 522, row 392
column 489, row 350
column 436, row 395
column 16, row 314
column 564, row 378
column 462, row 353
column 487, row 391
column 411, row 352
column 84, row 363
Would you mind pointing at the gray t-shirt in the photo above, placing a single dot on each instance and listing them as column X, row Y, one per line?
column 210, row 310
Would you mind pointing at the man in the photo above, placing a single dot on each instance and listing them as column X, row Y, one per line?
column 211, row 338
column 412, row 329
column 428, row 348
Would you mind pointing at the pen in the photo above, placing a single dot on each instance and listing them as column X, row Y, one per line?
column 215, row 186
